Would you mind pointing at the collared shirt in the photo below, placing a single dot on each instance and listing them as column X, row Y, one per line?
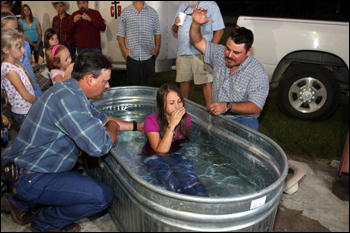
column 87, row 34
column 184, row 46
column 139, row 30
column 60, row 122
column 60, row 26
column 249, row 83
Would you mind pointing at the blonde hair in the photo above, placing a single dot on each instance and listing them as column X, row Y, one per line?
column 6, row 17
column 11, row 38
column 53, row 60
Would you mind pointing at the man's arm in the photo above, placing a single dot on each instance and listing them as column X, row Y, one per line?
column 157, row 42
column 113, row 128
column 245, row 108
column 199, row 18
column 125, row 50
column 125, row 125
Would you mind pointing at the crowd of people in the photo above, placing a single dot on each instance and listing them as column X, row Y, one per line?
column 57, row 124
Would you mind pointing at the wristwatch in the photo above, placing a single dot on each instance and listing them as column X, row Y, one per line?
column 229, row 107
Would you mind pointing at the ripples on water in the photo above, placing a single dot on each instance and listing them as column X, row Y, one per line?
column 221, row 178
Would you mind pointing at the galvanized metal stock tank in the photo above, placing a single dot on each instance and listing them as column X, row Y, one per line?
column 140, row 206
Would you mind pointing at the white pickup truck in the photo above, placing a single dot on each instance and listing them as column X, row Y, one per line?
column 307, row 60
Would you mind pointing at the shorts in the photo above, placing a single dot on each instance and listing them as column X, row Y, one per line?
column 193, row 67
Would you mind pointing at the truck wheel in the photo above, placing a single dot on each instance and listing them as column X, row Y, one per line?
column 308, row 93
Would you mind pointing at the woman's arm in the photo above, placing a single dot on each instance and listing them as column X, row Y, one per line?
column 162, row 145
column 40, row 32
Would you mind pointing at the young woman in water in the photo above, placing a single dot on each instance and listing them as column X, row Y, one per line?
column 165, row 130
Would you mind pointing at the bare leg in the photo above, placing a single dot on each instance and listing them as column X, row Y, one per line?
column 185, row 89
column 208, row 92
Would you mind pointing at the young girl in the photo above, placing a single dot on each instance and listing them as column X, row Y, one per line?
column 8, row 20
column 14, row 78
column 50, row 39
column 165, row 130
column 59, row 63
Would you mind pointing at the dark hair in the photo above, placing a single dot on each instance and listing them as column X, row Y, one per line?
column 31, row 13
column 162, row 95
column 90, row 61
column 242, row 35
column 48, row 34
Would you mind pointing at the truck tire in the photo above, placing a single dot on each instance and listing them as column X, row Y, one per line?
column 308, row 92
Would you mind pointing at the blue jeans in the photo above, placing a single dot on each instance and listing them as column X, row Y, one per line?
column 36, row 53
column 19, row 117
column 252, row 123
column 176, row 172
column 60, row 198
column 140, row 72
column 71, row 49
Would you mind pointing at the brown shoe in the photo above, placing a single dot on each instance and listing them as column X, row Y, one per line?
column 18, row 216
column 74, row 227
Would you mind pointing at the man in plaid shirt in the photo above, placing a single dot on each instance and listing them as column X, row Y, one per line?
column 139, row 24
column 240, row 82
column 60, row 123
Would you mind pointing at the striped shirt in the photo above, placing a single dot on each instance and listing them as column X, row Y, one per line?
column 60, row 122
column 139, row 30
column 249, row 83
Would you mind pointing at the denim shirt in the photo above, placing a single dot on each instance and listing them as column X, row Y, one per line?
column 60, row 123
column 217, row 23
column 26, row 63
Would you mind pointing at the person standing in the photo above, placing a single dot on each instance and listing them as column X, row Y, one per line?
column 60, row 22
column 86, row 25
column 189, row 63
column 32, row 30
column 240, row 81
column 139, row 23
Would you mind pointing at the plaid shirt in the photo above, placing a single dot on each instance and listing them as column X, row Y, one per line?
column 60, row 26
column 249, row 83
column 139, row 30
column 60, row 122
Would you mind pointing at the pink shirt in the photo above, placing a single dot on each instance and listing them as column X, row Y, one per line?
column 56, row 72
column 151, row 125
column 18, row 104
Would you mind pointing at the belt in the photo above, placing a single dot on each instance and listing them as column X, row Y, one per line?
column 25, row 171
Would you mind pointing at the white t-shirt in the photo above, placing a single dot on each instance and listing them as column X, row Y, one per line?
column 18, row 104
column 56, row 72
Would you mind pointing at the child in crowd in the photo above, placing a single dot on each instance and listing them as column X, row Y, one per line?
column 8, row 20
column 165, row 130
column 59, row 63
column 15, row 79
column 50, row 39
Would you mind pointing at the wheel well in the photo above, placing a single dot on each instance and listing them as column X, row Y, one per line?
column 331, row 62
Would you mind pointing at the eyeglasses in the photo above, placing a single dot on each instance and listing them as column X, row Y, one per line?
column 188, row 7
